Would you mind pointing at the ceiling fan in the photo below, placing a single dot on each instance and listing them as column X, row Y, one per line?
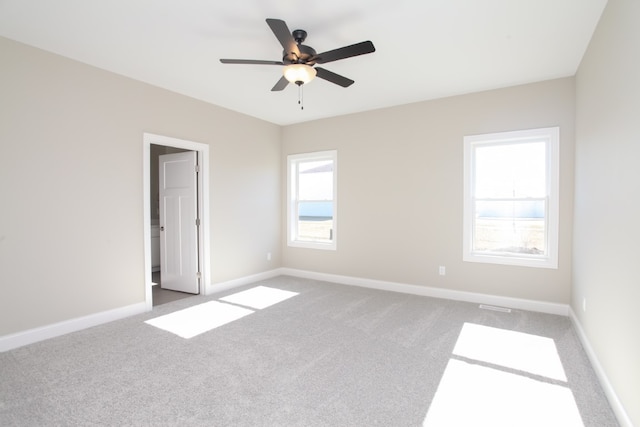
column 299, row 60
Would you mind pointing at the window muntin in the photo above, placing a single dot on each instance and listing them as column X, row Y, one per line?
column 311, row 201
column 511, row 198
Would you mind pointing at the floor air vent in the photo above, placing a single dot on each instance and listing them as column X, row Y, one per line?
column 494, row 308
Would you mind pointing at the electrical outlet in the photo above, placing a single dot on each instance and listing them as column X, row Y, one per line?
column 584, row 304
column 268, row 256
column 441, row 270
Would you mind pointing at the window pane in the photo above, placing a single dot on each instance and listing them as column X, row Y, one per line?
column 511, row 202
column 315, row 230
column 315, row 221
column 315, row 210
column 515, row 227
column 315, row 180
column 311, row 206
column 510, row 170
column 524, row 209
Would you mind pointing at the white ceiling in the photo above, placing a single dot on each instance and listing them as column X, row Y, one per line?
column 425, row 49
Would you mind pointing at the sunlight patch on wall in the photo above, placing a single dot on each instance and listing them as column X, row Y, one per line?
column 259, row 297
column 198, row 319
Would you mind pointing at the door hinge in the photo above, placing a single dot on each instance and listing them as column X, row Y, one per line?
column 197, row 168
column 199, row 275
column 197, row 222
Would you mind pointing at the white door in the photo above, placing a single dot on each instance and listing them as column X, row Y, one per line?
column 178, row 222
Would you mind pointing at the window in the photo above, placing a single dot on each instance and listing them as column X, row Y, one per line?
column 311, row 219
column 511, row 198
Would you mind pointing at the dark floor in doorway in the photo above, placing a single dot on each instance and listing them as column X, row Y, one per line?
column 162, row 296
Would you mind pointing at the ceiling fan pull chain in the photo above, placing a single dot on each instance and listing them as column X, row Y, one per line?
column 301, row 97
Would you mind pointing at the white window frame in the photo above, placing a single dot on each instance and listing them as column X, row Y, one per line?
column 292, row 183
column 551, row 136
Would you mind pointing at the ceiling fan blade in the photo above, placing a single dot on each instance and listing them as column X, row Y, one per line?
column 251, row 61
column 282, row 33
column 282, row 83
column 332, row 77
column 344, row 52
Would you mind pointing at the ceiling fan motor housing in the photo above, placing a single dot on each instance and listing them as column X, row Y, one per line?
column 306, row 52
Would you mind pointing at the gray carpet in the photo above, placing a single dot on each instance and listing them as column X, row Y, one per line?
column 333, row 355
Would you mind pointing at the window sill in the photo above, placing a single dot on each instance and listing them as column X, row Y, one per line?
column 312, row 245
column 546, row 262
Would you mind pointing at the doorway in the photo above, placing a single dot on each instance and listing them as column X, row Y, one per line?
column 153, row 147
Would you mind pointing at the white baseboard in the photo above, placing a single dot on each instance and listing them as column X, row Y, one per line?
column 213, row 288
column 9, row 342
column 30, row 336
column 616, row 405
column 516, row 303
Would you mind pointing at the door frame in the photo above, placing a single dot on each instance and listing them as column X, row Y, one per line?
column 204, row 245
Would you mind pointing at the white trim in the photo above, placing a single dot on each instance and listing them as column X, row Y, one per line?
column 30, row 336
column 428, row 291
column 19, row 339
column 203, row 206
column 146, row 228
column 12, row 341
column 9, row 342
column 214, row 288
column 292, row 182
column 612, row 397
column 551, row 136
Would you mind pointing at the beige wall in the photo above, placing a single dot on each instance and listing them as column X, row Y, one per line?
column 607, row 199
column 71, row 217
column 400, row 190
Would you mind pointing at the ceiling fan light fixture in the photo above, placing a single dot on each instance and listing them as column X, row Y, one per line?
column 299, row 73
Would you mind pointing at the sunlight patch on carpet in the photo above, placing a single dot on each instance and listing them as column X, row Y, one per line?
column 192, row 321
column 474, row 395
column 529, row 353
column 259, row 297
column 500, row 377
